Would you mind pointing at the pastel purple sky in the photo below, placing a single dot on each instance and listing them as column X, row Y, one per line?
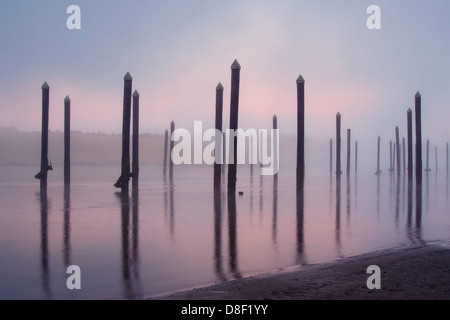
column 178, row 51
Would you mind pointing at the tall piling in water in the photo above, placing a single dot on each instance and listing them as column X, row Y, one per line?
column 275, row 146
column 338, row 145
column 42, row 175
column 378, row 156
column 300, row 129
column 397, row 145
column 348, row 150
column 166, row 141
column 124, row 178
column 67, row 140
column 410, row 144
column 172, row 129
column 135, row 162
column 218, row 156
column 418, row 111
column 234, row 112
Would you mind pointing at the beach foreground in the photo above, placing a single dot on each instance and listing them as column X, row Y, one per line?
column 419, row 272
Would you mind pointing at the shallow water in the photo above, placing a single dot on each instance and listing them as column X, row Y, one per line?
column 166, row 236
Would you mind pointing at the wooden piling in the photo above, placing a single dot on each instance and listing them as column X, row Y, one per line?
column 166, row 141
column 42, row 175
column 397, row 143
column 404, row 155
column 378, row 156
column 172, row 129
column 234, row 112
column 218, row 139
column 124, row 178
column 348, row 150
column 410, row 144
column 300, row 129
column 67, row 140
column 338, row 145
column 418, row 111
column 275, row 146
column 135, row 162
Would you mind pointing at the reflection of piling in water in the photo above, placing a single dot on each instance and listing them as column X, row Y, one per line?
column 218, row 159
column 135, row 231
column 275, row 211
column 300, row 222
column 135, row 163
column 418, row 110
column 338, row 216
column 42, row 175
column 427, row 168
column 67, row 140
column 338, row 145
column 125, row 240
column 124, row 178
column 66, row 238
column 300, row 129
column 166, row 141
column 348, row 150
column 331, row 156
column 234, row 112
column 232, row 235
column 356, row 156
column 172, row 129
column 218, row 260
column 44, row 240
column 410, row 144
column 378, row 156
column 397, row 145
column 391, row 167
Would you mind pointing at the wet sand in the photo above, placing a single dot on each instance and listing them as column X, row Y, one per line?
column 421, row 272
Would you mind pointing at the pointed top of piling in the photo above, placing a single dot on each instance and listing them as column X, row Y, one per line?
column 136, row 94
column 67, row 99
column 338, row 115
column 235, row 65
column 219, row 87
column 45, row 86
column 172, row 123
column 409, row 110
column 300, row 79
column 274, row 116
column 418, row 94
column 128, row 77
column 167, row 131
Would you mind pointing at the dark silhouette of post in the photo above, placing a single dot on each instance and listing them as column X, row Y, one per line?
column 166, row 141
column 348, row 150
column 331, row 156
column 427, row 168
column 338, row 145
column 418, row 109
column 275, row 146
column 124, row 178
column 397, row 143
column 218, row 139
column 67, row 140
column 42, row 175
column 172, row 129
column 356, row 156
column 404, row 155
column 300, row 128
column 410, row 145
column 135, row 163
column 378, row 156
column 234, row 111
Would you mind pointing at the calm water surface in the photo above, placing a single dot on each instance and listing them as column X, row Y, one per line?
column 166, row 236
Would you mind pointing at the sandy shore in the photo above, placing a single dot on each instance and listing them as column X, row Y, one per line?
column 421, row 272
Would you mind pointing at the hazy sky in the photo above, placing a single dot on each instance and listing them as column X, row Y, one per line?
column 178, row 51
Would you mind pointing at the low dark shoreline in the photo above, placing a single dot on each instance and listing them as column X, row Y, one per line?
column 412, row 273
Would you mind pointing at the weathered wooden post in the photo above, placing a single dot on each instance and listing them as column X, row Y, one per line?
column 404, row 155
column 418, row 110
column 300, row 129
column 397, row 142
column 234, row 112
column 410, row 145
column 67, row 140
column 166, row 141
column 331, row 156
column 427, row 169
column 124, row 178
column 378, row 156
column 218, row 139
column 338, row 145
column 135, row 163
column 356, row 156
column 275, row 146
column 42, row 175
column 348, row 151
column 172, row 129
